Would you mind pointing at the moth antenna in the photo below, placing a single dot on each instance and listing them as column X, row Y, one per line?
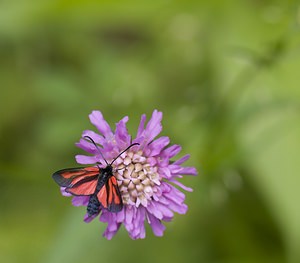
column 96, row 146
column 124, row 151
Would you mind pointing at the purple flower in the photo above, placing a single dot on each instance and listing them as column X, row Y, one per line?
column 146, row 176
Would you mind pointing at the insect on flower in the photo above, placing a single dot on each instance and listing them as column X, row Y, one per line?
column 98, row 183
column 135, row 179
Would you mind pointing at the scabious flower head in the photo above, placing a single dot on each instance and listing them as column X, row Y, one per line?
column 146, row 176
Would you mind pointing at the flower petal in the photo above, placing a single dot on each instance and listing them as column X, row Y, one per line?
column 182, row 159
column 157, row 227
column 80, row 200
column 179, row 170
column 63, row 192
column 141, row 126
column 180, row 209
column 110, row 234
column 130, row 218
column 121, row 135
column 88, row 219
column 95, row 136
column 188, row 171
column 181, row 185
column 165, row 172
column 86, row 146
column 98, row 121
column 156, row 146
column 171, row 151
column 138, row 230
column 112, row 225
column 154, row 126
column 84, row 159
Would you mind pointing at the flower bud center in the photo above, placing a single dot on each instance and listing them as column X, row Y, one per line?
column 137, row 179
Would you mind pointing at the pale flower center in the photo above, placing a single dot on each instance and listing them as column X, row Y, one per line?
column 137, row 179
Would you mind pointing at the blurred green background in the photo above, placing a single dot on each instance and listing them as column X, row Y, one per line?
column 226, row 76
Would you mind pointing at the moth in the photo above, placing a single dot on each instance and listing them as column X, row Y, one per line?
column 98, row 183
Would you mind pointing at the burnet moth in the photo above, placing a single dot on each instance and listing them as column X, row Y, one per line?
column 99, row 184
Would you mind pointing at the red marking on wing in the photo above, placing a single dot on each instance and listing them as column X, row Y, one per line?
column 83, row 187
column 70, row 176
column 110, row 197
column 102, row 196
column 114, row 196
column 78, row 181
